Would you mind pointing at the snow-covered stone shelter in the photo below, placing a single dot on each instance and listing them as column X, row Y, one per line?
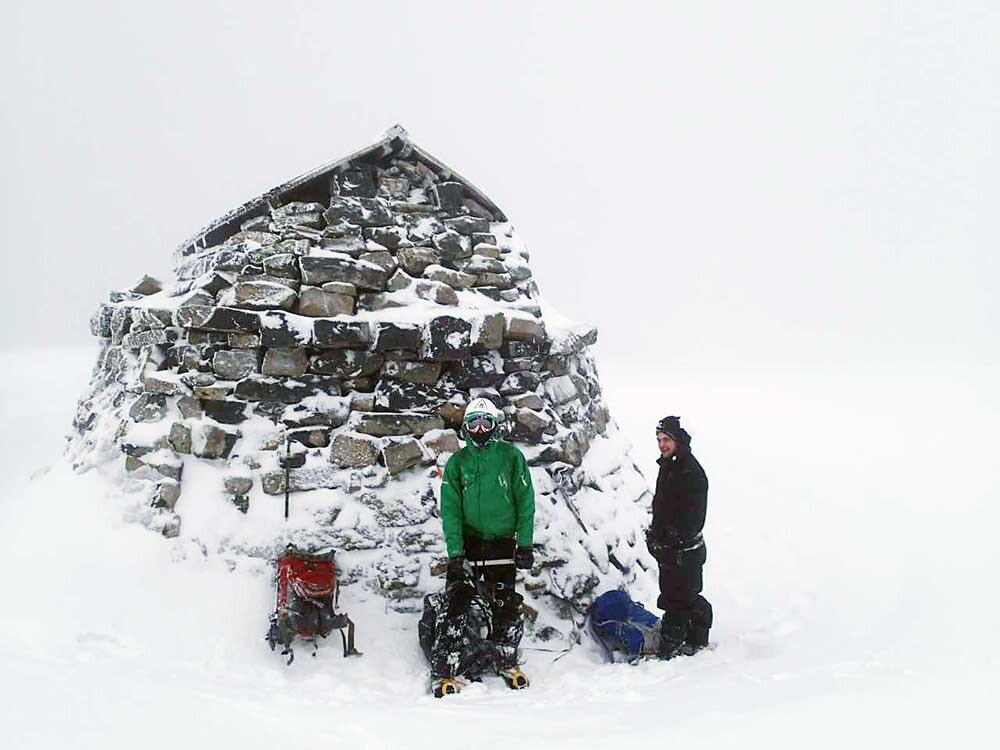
column 331, row 331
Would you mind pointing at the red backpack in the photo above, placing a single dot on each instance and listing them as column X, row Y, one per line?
column 306, row 603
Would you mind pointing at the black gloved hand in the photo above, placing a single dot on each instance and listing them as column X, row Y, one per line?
column 456, row 569
column 652, row 545
column 524, row 558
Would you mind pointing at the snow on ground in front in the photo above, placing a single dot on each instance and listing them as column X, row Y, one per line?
column 853, row 519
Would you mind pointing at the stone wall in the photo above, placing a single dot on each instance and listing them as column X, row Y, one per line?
column 337, row 344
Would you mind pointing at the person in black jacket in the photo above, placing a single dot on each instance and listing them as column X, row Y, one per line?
column 675, row 540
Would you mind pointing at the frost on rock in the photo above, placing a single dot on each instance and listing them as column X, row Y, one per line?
column 219, row 390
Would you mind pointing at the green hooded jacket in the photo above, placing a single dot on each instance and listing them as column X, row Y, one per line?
column 487, row 493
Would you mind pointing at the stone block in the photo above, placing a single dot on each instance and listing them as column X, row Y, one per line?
column 467, row 225
column 486, row 250
column 243, row 340
column 165, row 382
column 149, row 407
column 362, row 212
column 527, row 401
column 358, row 182
column 560, row 390
column 398, row 281
column 340, row 287
column 391, row 238
column 167, row 493
column 263, row 388
column 312, row 437
column 238, row 485
column 100, row 321
column 199, row 338
column 224, row 319
column 180, row 437
column 441, row 441
column 147, row 285
column 528, row 425
column 447, row 339
column 279, row 330
column 480, row 264
column 235, row 364
column 158, row 337
column 452, row 246
column 320, row 269
column 415, row 259
column 211, row 441
column 525, row 329
column 283, row 265
column 400, row 454
column 454, row 279
column 402, row 396
column 501, row 281
column 264, row 295
column 285, row 362
column 421, row 227
column 453, row 410
column 520, row 382
column 347, row 363
column 448, row 195
column 190, row 407
column 340, row 334
column 385, row 424
column 329, row 411
column 435, row 291
column 226, row 411
column 413, row 372
column 319, row 303
column 396, row 336
column 487, row 333
column 354, row 451
column 478, row 371
column 215, row 392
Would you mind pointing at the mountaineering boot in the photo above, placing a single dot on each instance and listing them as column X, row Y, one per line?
column 515, row 678
column 673, row 631
column 447, row 686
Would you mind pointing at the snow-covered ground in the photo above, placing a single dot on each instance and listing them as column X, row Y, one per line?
column 852, row 536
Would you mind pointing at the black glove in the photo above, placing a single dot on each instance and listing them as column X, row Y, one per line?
column 456, row 569
column 524, row 558
column 652, row 545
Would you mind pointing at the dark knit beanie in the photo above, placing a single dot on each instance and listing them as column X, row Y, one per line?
column 672, row 426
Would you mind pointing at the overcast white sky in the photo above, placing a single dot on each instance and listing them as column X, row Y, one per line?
column 711, row 184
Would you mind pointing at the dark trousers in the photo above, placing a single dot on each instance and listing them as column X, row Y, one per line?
column 498, row 581
column 687, row 615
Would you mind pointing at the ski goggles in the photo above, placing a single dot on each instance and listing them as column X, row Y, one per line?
column 481, row 424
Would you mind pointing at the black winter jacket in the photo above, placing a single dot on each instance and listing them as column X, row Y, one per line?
column 680, row 501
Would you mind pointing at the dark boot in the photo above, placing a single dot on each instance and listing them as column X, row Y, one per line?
column 699, row 624
column 673, row 631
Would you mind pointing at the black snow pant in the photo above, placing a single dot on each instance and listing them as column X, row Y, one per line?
column 687, row 615
column 454, row 620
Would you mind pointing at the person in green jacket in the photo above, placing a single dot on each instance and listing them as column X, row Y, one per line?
column 488, row 515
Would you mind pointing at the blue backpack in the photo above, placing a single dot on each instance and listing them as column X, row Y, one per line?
column 623, row 626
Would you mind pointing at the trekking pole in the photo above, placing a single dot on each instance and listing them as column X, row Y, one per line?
column 288, row 457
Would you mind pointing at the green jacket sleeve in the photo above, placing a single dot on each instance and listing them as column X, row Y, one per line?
column 451, row 508
column 524, row 501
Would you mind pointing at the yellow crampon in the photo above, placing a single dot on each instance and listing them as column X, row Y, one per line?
column 515, row 678
column 448, row 686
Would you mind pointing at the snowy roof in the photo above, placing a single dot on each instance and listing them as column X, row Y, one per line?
column 315, row 186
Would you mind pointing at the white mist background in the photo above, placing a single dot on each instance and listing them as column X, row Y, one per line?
column 712, row 184
column 781, row 216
